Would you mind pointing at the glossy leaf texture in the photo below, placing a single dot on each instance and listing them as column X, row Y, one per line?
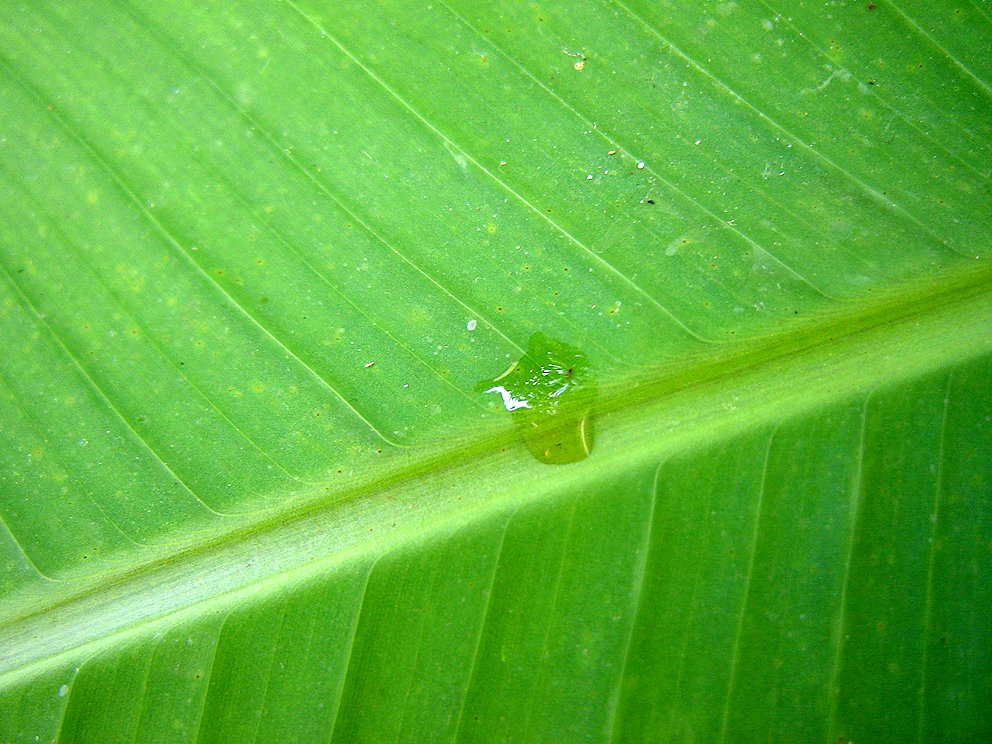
column 255, row 260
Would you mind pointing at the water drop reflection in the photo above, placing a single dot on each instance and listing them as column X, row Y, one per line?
column 550, row 393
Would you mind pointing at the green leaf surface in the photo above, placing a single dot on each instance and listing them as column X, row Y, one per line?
column 256, row 259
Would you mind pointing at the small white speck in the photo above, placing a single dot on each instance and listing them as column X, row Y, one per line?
column 369, row 364
column 589, row 177
column 405, row 386
column 640, row 165
column 471, row 325
column 697, row 142
column 579, row 65
column 83, row 442
column 63, row 690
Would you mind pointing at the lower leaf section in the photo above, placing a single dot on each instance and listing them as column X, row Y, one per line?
column 820, row 578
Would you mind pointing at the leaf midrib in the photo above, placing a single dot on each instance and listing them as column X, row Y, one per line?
column 918, row 330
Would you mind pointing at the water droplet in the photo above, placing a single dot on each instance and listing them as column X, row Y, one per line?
column 472, row 324
column 550, row 393
column 63, row 690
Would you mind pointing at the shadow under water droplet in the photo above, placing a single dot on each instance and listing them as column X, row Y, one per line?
column 550, row 393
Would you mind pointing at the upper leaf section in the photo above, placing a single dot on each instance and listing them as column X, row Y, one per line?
column 249, row 253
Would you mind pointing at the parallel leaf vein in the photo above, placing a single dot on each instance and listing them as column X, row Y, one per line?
column 920, row 132
column 612, row 140
column 639, row 581
column 746, row 598
column 102, row 395
column 151, row 338
column 349, row 651
column 931, row 561
column 323, row 186
column 723, row 87
column 448, row 142
column 170, row 240
column 833, row 689
column 470, row 677
column 920, row 31
column 33, row 426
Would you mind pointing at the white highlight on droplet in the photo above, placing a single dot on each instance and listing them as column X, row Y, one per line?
column 472, row 324
column 509, row 402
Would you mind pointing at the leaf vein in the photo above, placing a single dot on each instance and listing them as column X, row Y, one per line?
column 931, row 560
column 95, row 386
column 151, row 338
column 449, row 143
column 920, row 31
column 863, row 185
column 923, row 134
column 639, row 580
column 177, row 247
column 833, row 690
column 322, row 186
column 482, row 627
column 746, row 598
column 349, row 651
column 609, row 139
